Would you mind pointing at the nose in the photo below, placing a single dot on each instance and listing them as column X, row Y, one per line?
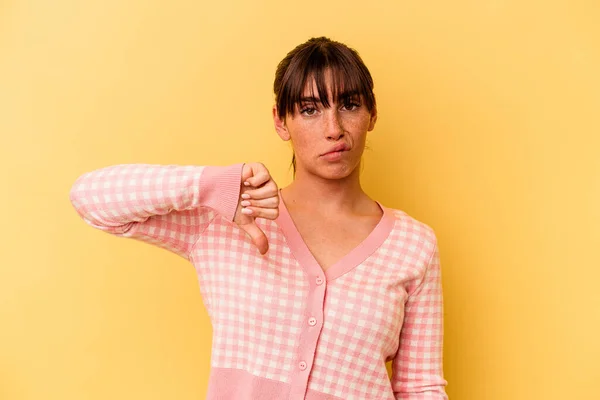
column 334, row 127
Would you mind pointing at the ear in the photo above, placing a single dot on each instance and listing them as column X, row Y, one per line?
column 373, row 119
column 280, row 127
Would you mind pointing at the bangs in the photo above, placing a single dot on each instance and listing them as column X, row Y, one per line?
column 349, row 77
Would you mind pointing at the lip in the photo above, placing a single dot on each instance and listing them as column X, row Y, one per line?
column 339, row 147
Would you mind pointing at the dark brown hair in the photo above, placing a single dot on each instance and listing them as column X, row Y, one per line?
column 310, row 60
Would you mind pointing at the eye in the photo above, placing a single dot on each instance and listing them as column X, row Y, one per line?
column 308, row 110
column 351, row 105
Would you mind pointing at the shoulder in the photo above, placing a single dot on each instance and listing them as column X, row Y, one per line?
column 412, row 234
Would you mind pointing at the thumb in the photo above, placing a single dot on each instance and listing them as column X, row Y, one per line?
column 257, row 235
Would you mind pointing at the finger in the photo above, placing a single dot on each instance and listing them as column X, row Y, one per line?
column 270, row 202
column 246, row 171
column 258, row 236
column 268, row 190
column 267, row 213
column 259, row 177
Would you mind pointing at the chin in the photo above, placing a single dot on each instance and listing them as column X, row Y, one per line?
column 335, row 172
column 330, row 171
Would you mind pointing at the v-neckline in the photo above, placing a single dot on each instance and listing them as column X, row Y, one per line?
column 345, row 264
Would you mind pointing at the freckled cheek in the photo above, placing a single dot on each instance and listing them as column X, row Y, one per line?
column 305, row 142
column 361, row 122
column 356, row 124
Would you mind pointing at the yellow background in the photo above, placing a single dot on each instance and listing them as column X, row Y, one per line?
column 488, row 131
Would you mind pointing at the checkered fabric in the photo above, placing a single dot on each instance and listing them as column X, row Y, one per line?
column 282, row 327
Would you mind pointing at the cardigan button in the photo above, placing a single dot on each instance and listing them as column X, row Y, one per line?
column 319, row 280
column 312, row 321
column 302, row 365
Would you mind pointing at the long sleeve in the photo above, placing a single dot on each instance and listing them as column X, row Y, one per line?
column 417, row 372
column 165, row 205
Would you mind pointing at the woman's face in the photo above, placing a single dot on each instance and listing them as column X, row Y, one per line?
column 316, row 132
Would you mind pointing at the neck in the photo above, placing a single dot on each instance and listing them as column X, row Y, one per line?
column 320, row 196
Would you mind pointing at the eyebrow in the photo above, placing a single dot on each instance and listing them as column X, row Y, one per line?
column 310, row 99
column 343, row 95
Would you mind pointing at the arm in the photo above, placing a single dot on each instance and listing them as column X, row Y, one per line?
column 165, row 205
column 417, row 372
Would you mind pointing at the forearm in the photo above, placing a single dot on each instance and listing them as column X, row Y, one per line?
column 115, row 197
column 417, row 366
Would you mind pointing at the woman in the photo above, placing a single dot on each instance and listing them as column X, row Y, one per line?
column 339, row 285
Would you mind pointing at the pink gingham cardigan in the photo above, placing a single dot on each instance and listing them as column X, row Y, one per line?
column 283, row 328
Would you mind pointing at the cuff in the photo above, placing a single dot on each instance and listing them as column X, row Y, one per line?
column 220, row 189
